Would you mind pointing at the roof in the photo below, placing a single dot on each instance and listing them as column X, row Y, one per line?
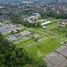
column 47, row 22
column 25, row 33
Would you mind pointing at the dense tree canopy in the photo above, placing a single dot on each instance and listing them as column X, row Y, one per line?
column 54, row 15
column 10, row 56
column 17, row 18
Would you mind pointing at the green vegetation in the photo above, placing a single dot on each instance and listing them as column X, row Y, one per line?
column 18, row 19
column 30, row 53
column 52, row 26
column 53, row 34
column 10, row 56
column 53, row 39
column 54, row 15
column 45, row 47
column 25, row 43
column 25, row 12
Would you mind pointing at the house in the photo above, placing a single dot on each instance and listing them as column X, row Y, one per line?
column 11, row 38
column 25, row 33
column 63, row 23
column 36, row 35
column 33, row 17
column 3, row 17
column 45, row 23
column 8, row 28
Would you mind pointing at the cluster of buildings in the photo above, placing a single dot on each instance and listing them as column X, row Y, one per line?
column 3, row 13
column 6, row 10
column 3, row 17
column 15, row 8
column 32, row 18
column 7, row 28
column 55, row 8
column 17, row 33
column 63, row 23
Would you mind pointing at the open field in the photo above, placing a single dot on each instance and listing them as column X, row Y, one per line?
column 36, row 48
column 43, row 48
column 52, row 26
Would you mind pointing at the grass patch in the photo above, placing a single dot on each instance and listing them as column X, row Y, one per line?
column 40, row 50
column 21, row 44
column 52, row 26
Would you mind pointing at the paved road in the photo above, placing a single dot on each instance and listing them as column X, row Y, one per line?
column 57, row 58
